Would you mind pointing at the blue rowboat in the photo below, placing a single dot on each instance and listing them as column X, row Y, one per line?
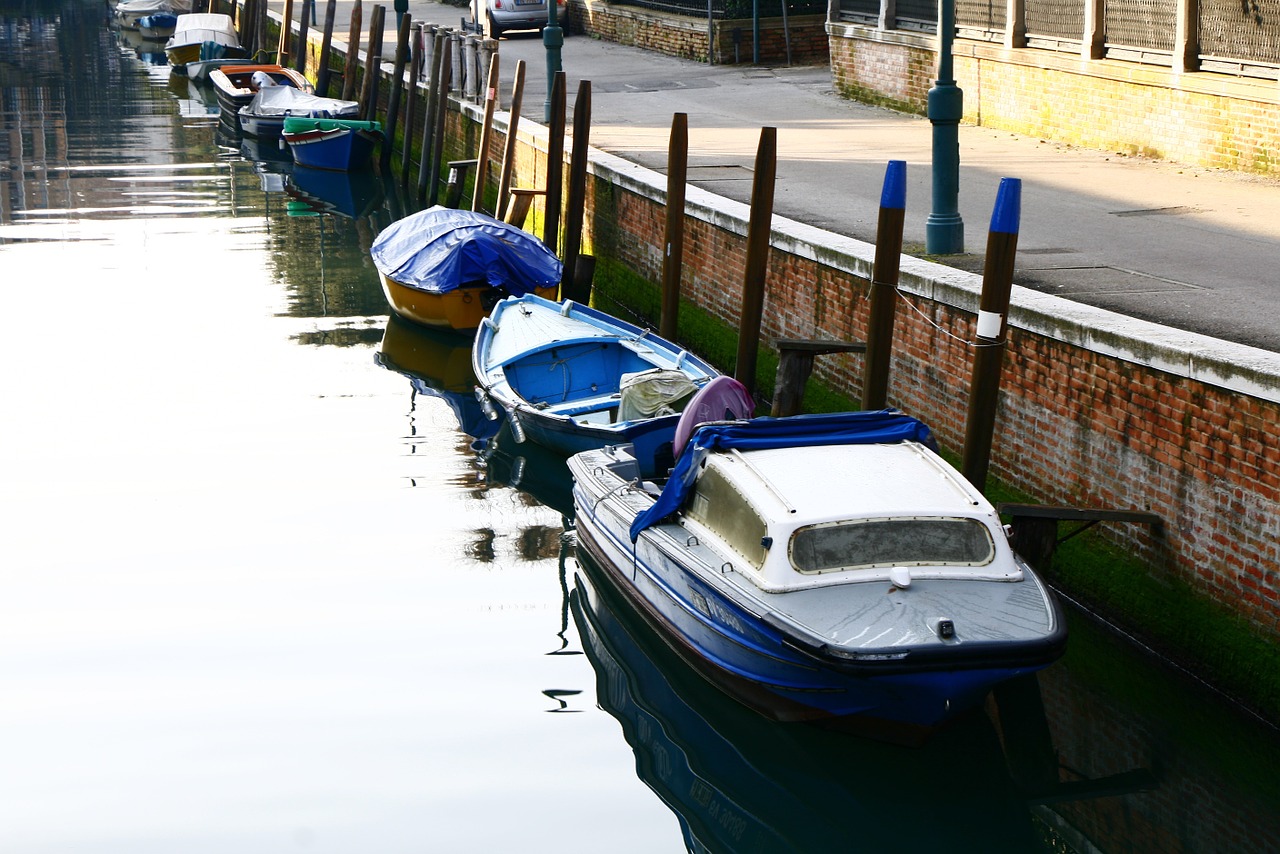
column 340, row 145
column 572, row 378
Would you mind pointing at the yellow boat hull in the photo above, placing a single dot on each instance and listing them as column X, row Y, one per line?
column 462, row 309
column 180, row 55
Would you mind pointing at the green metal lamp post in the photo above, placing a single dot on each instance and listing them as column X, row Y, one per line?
column 944, row 229
column 552, row 40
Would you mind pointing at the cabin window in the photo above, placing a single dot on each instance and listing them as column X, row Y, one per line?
column 903, row 541
column 719, row 505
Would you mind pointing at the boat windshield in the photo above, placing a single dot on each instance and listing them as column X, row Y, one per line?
column 718, row 504
column 900, row 541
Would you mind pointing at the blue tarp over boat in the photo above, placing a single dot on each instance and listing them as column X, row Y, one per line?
column 841, row 428
column 441, row 249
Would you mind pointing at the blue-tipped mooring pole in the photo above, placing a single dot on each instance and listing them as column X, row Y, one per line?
column 884, row 286
column 944, row 229
column 993, row 311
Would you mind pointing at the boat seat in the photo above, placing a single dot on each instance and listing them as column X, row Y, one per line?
column 586, row 405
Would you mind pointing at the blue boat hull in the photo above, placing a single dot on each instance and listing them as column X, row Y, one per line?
column 337, row 148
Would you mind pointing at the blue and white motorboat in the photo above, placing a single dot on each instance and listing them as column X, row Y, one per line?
column 572, row 378
column 822, row 567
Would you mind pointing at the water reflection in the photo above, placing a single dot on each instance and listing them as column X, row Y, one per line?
column 738, row 782
column 437, row 364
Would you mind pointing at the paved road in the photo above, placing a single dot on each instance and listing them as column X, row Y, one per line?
column 1193, row 248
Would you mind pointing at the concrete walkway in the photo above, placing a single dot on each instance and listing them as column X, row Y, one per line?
column 1191, row 248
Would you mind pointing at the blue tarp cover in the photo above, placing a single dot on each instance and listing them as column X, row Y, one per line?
column 841, row 428
column 441, row 249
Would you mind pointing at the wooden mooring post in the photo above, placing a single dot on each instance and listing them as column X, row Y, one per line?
column 555, row 163
column 884, row 286
column 576, row 204
column 393, row 99
column 673, row 244
column 993, row 310
column 284, row 49
column 372, row 62
column 416, row 45
column 759, row 227
column 509, row 150
column 486, row 131
column 352, row 61
column 304, row 24
column 326, row 48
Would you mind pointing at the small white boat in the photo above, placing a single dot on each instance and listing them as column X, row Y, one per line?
column 192, row 32
column 265, row 113
column 822, row 567
column 129, row 12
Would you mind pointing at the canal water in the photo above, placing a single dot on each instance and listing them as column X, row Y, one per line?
column 269, row 582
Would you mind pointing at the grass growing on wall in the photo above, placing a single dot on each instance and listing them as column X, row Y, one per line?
column 1167, row 614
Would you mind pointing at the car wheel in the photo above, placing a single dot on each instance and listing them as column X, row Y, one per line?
column 492, row 30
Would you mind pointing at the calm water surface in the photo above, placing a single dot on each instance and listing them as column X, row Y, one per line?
column 269, row 583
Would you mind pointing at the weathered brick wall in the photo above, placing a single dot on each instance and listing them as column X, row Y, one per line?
column 687, row 36
column 1198, row 118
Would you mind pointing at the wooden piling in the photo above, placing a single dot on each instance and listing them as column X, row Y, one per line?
column 411, row 108
column 555, row 165
column 352, row 62
column 673, row 251
column 326, row 48
column 372, row 62
column 442, row 113
column 993, row 311
column 486, row 129
column 884, row 286
column 397, row 87
column 285, row 49
column 575, row 207
column 438, row 40
column 509, row 150
column 304, row 24
column 759, row 227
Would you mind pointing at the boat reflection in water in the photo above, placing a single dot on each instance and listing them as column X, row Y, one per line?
column 529, row 467
column 738, row 782
column 318, row 191
column 437, row 364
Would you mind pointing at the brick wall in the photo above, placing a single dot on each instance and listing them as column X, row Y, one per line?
column 686, row 36
column 1198, row 118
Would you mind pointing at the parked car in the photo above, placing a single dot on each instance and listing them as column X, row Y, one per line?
column 501, row 16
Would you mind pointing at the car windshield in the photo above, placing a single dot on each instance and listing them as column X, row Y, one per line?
column 903, row 541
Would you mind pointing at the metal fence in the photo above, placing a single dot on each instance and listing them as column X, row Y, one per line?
column 730, row 9
column 1239, row 37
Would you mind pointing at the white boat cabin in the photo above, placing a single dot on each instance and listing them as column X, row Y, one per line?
column 818, row 516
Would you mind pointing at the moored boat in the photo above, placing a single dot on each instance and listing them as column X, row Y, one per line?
column 448, row 268
column 339, row 145
column 571, row 378
column 265, row 114
column 157, row 27
column 192, row 31
column 235, row 85
column 130, row 12
column 822, row 568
